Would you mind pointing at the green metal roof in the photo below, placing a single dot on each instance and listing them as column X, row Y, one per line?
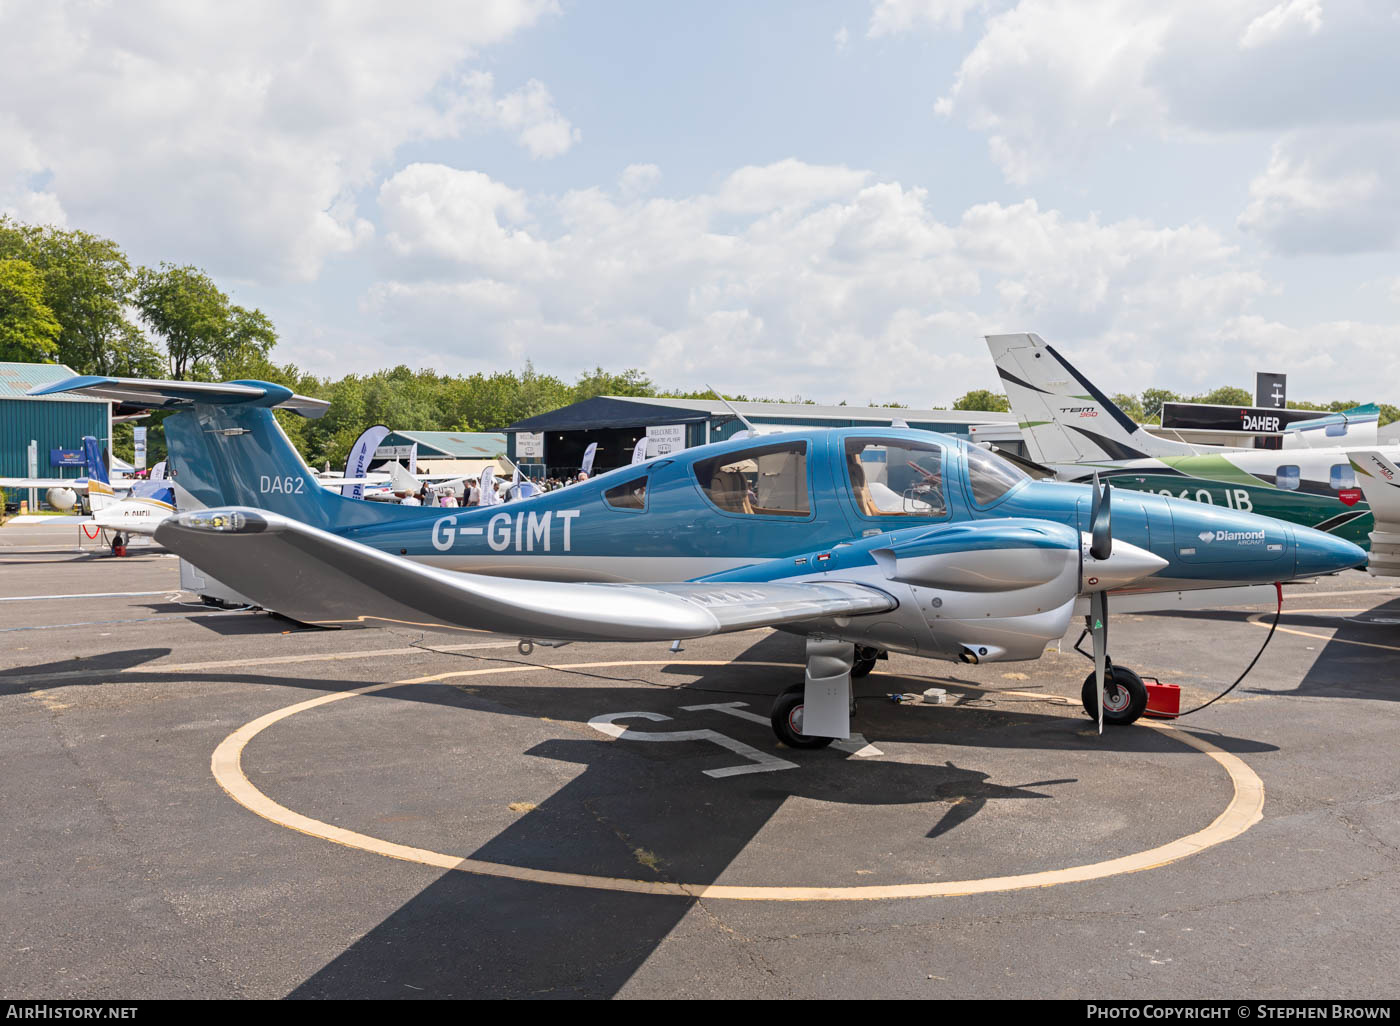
column 473, row 445
column 16, row 379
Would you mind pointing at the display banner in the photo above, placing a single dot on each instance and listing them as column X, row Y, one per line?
column 529, row 445
column 488, row 487
column 158, row 471
column 664, row 439
column 639, row 451
column 139, row 439
column 1232, row 418
column 357, row 463
column 1271, row 390
column 405, row 454
column 67, row 458
column 588, row 455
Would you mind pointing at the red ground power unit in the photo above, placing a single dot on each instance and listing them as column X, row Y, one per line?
column 1163, row 701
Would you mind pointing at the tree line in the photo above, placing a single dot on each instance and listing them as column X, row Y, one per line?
column 69, row 296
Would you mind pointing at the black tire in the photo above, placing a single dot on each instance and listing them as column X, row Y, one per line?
column 865, row 660
column 1121, row 708
column 787, row 720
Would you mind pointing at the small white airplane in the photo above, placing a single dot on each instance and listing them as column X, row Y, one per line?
column 64, row 493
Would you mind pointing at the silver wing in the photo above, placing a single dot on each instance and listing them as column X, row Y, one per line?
column 317, row 577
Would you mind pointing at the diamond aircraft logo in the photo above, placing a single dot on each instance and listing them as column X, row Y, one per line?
column 1206, row 536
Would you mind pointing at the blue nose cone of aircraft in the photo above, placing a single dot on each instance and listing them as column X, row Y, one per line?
column 1318, row 552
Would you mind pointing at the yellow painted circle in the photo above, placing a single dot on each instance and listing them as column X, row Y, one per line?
column 1244, row 810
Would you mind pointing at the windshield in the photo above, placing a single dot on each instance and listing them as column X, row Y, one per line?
column 990, row 476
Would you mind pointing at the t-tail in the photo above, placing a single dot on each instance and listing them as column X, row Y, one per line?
column 227, row 449
column 100, row 494
column 1063, row 417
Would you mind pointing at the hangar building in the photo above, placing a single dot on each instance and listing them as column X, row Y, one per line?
column 552, row 444
column 448, row 452
column 55, row 424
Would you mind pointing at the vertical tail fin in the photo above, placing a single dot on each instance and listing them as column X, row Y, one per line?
column 1063, row 417
column 227, row 449
column 1379, row 479
column 100, row 494
column 96, row 465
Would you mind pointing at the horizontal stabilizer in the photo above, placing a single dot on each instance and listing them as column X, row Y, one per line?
column 171, row 395
column 321, row 578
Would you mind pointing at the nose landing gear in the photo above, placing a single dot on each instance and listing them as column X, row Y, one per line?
column 1124, row 696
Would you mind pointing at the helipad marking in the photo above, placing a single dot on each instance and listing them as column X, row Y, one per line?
column 1243, row 811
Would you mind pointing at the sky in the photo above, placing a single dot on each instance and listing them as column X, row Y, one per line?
column 832, row 199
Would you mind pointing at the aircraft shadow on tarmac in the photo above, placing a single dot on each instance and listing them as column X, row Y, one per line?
column 1347, row 666
column 469, row 936
column 474, row 936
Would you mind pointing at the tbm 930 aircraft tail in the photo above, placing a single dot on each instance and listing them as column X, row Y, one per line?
column 1063, row 417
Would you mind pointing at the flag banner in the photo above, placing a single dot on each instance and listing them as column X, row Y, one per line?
column 588, row 455
column 639, row 452
column 357, row 463
column 488, row 487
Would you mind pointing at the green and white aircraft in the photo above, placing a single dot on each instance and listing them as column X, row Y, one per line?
column 1074, row 430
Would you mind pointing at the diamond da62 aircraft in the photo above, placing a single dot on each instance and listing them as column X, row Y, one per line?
column 861, row 539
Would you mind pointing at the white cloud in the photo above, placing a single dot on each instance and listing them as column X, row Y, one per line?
column 1052, row 83
column 857, row 291
column 638, row 179
column 1290, row 17
column 1328, row 192
column 237, row 135
column 434, row 212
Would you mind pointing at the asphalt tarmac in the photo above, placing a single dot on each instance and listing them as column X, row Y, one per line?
column 174, row 826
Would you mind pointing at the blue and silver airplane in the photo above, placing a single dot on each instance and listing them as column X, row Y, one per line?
column 863, row 540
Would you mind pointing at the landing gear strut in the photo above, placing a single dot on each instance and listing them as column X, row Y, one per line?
column 817, row 711
column 1124, row 696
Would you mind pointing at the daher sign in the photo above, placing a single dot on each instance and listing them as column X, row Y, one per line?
column 1206, row 417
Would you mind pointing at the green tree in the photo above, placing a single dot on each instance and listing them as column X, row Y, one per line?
column 600, row 382
column 1152, row 401
column 983, row 399
column 87, row 283
column 1226, row 395
column 203, row 332
column 28, row 329
column 1131, row 405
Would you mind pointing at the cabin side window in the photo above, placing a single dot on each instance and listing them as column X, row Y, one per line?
column 1341, row 476
column 767, row 480
column 630, row 495
column 1288, row 477
column 896, row 478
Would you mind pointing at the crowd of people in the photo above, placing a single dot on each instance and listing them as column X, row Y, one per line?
column 469, row 491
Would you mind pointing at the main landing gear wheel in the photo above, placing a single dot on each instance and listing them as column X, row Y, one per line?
column 787, row 720
column 866, row 657
column 1124, row 696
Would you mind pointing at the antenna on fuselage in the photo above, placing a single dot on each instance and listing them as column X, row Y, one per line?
column 745, row 420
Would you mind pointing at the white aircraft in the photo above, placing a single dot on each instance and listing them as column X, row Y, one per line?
column 1075, row 431
column 1379, row 478
column 63, row 493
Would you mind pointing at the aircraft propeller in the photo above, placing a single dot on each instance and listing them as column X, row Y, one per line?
column 1100, row 547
